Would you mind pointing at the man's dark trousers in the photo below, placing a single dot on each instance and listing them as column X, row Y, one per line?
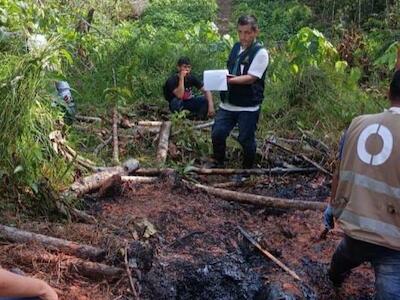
column 196, row 105
column 225, row 121
column 386, row 263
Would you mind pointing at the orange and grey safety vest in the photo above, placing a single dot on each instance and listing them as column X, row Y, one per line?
column 367, row 202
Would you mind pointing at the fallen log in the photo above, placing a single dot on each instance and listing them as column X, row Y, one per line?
column 227, row 172
column 95, row 181
column 150, row 123
column 266, row 253
column 153, row 171
column 96, row 271
column 115, row 136
column 20, row 236
column 139, row 179
column 162, row 149
column 87, row 119
column 279, row 203
column 151, row 129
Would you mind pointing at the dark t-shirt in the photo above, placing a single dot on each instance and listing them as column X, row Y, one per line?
column 172, row 83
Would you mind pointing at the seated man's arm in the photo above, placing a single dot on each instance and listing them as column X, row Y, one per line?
column 179, row 91
column 13, row 285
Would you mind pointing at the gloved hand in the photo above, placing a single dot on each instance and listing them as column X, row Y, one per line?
column 328, row 218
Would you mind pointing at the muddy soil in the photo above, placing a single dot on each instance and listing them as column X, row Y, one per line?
column 185, row 244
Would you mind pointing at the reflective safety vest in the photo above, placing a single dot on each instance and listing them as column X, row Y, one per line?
column 367, row 202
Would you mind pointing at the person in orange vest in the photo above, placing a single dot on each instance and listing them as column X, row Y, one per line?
column 365, row 199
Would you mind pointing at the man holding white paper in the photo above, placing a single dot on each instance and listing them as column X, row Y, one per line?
column 247, row 65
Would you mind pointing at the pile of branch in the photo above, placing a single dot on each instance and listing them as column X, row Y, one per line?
column 60, row 146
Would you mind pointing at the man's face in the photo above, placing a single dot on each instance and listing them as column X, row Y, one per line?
column 247, row 35
column 184, row 69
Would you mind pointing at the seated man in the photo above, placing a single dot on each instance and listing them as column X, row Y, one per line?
column 178, row 92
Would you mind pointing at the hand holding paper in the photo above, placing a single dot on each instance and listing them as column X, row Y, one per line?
column 216, row 80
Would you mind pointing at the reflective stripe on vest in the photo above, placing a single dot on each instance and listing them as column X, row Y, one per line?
column 371, row 225
column 370, row 184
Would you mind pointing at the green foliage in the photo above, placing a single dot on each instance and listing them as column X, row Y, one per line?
column 388, row 59
column 278, row 20
column 179, row 14
column 194, row 144
column 309, row 47
column 27, row 118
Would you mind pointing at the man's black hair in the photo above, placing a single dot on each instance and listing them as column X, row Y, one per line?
column 248, row 20
column 183, row 61
column 395, row 87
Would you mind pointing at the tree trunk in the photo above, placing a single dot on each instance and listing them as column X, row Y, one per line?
column 95, row 181
column 162, row 149
column 21, row 236
column 279, row 203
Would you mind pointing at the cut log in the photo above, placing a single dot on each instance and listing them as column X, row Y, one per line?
column 150, row 123
column 95, row 181
column 266, row 253
column 228, row 172
column 96, row 271
column 162, row 149
column 20, row 236
column 87, row 119
column 151, row 129
column 265, row 201
column 139, row 179
column 115, row 136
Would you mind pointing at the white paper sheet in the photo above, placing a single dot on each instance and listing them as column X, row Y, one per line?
column 215, row 80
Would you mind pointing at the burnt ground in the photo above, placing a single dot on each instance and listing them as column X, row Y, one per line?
column 195, row 250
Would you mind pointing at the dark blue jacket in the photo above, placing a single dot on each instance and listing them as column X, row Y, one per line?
column 244, row 95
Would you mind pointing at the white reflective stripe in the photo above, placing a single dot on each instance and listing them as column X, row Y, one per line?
column 371, row 225
column 369, row 183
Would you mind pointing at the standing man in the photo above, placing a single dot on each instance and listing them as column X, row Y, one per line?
column 178, row 92
column 247, row 65
column 366, row 197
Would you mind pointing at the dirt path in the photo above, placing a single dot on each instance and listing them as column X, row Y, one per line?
column 224, row 15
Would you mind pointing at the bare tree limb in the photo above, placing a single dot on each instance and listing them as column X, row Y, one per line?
column 266, row 253
column 228, row 172
column 265, row 201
